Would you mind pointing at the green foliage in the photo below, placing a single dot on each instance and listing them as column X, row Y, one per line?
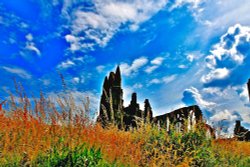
column 79, row 156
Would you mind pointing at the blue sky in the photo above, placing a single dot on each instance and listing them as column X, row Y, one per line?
column 175, row 52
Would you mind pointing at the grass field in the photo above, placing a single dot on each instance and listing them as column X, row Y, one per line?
column 59, row 133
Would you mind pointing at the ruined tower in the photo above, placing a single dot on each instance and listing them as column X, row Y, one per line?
column 131, row 112
column 111, row 104
column 148, row 113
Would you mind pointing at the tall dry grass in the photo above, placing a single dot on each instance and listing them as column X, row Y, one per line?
column 27, row 131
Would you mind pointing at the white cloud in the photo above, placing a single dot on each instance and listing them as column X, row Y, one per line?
column 76, row 80
column 76, row 61
column 29, row 37
column 182, row 66
column 30, row 45
column 105, row 19
column 223, row 115
column 156, row 63
column 190, row 57
column 225, row 56
column 150, row 69
column 66, row 64
column 199, row 99
column 213, row 91
column 137, row 86
column 194, row 55
column 155, row 81
column 169, row 79
column 120, row 11
column 216, row 74
column 73, row 42
column 210, row 61
column 165, row 80
column 100, row 68
column 18, row 71
column 244, row 94
column 127, row 69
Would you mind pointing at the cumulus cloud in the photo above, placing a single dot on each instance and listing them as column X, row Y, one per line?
column 97, row 25
column 229, row 58
column 127, row 69
column 18, row 71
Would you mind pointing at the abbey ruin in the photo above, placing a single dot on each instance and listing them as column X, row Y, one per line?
column 112, row 110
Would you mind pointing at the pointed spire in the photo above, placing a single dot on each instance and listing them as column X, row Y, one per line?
column 118, row 76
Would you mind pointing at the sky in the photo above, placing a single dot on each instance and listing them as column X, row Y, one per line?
column 174, row 52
